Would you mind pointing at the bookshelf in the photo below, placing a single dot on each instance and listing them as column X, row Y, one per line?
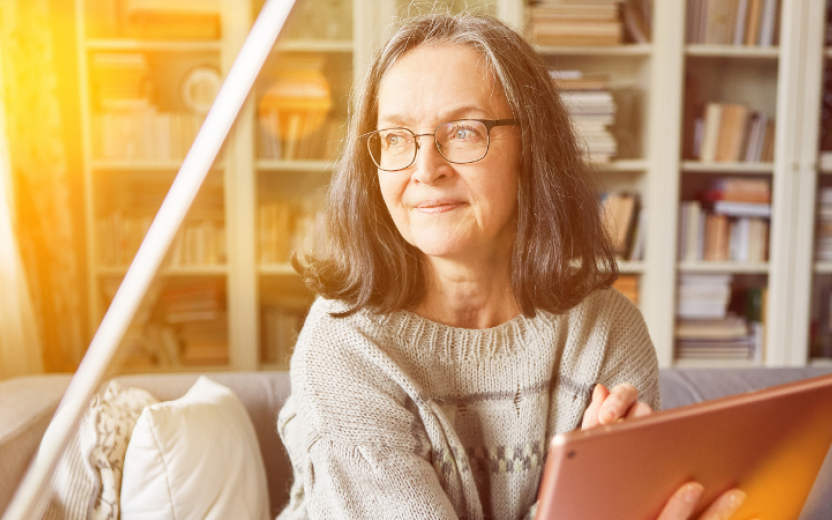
column 651, row 85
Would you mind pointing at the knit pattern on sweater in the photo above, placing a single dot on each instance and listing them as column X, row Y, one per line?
column 398, row 417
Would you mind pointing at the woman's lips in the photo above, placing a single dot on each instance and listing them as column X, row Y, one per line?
column 434, row 207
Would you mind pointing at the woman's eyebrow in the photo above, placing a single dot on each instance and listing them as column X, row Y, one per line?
column 449, row 114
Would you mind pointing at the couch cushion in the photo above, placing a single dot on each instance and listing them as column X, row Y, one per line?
column 26, row 407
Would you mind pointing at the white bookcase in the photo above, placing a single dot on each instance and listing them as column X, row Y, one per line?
column 784, row 80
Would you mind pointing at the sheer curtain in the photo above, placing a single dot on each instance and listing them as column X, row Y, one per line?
column 20, row 346
column 34, row 47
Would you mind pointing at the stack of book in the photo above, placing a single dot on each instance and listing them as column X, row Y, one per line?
column 120, row 80
column 284, row 228
column 171, row 19
column 294, row 112
column 733, row 133
column 728, row 223
column 575, row 23
column 591, row 107
column 627, row 284
column 144, row 134
column 624, row 224
column 705, row 327
column 733, row 22
column 823, row 249
column 196, row 311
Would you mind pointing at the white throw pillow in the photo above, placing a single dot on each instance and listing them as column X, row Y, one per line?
column 195, row 458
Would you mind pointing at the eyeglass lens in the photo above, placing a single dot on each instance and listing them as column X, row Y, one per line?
column 458, row 142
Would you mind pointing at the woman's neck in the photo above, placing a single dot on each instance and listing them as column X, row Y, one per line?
column 468, row 296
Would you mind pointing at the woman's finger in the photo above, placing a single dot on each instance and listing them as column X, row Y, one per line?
column 723, row 507
column 618, row 403
column 599, row 394
column 682, row 502
column 639, row 410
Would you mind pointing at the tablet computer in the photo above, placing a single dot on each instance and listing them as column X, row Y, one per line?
column 770, row 443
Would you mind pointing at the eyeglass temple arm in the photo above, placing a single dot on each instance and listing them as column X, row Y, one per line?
column 30, row 500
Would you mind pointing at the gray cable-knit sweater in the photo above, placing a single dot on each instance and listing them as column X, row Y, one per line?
column 398, row 417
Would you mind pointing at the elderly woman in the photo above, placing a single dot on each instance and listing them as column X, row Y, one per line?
column 466, row 314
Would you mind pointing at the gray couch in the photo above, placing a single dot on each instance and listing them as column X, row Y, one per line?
column 27, row 404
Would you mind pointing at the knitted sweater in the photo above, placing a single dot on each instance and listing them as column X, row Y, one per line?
column 398, row 417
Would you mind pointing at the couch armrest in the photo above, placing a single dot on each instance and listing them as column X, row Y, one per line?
column 26, row 407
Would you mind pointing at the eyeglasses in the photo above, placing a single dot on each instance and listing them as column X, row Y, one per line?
column 459, row 142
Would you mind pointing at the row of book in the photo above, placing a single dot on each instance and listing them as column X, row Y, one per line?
column 155, row 19
column 823, row 245
column 591, row 107
column 733, row 133
column 821, row 323
column 199, row 243
column 144, row 135
column 716, row 322
column 600, row 22
column 624, row 222
column 305, row 139
column 284, row 228
column 280, row 327
column 733, row 22
column 728, row 222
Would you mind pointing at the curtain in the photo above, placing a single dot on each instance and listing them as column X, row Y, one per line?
column 47, row 216
column 20, row 348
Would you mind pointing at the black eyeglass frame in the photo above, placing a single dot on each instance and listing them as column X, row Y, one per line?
column 488, row 123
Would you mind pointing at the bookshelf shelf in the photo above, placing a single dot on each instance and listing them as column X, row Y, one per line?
column 723, row 267
column 195, row 270
column 726, row 167
column 315, row 46
column 823, row 267
column 636, row 50
column 284, row 269
column 119, row 44
column 732, row 51
column 293, row 166
column 141, row 166
column 630, row 267
column 624, row 165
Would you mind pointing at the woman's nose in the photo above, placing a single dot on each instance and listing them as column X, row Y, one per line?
column 430, row 165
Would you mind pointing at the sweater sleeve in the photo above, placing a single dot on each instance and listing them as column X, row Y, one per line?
column 354, row 436
column 630, row 356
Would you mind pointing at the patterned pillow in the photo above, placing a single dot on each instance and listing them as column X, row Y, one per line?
column 87, row 481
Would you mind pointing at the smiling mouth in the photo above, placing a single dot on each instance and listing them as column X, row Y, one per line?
column 438, row 206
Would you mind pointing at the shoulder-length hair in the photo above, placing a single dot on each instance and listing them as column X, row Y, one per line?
column 561, row 252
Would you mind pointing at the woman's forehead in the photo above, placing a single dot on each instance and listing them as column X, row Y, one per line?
column 441, row 81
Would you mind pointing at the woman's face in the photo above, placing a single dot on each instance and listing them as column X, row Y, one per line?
column 454, row 211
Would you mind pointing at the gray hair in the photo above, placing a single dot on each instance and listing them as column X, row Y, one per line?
column 561, row 252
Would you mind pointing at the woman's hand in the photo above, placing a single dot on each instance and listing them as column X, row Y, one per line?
column 683, row 502
column 609, row 406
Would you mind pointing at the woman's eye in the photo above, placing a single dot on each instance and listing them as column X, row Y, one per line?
column 394, row 140
column 464, row 133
